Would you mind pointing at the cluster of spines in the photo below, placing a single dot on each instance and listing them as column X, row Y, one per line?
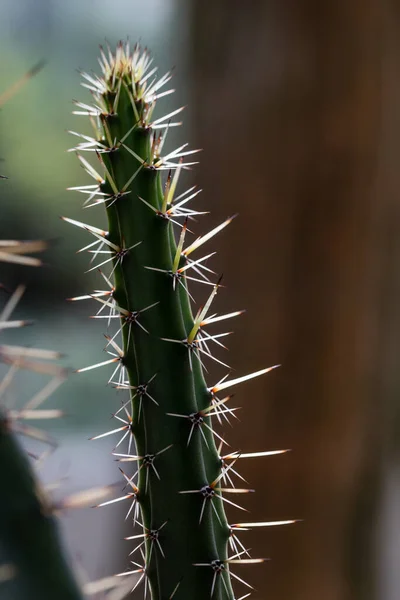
column 122, row 116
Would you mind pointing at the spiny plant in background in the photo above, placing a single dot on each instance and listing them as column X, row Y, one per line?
column 28, row 528
column 28, row 532
column 181, row 480
column 32, row 554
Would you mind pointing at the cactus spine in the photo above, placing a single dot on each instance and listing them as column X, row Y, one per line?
column 183, row 481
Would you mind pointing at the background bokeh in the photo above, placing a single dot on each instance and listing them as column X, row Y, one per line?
column 296, row 105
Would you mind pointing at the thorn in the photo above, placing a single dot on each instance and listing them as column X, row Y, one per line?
column 12, row 90
column 246, row 526
column 221, row 386
column 201, row 240
column 254, row 454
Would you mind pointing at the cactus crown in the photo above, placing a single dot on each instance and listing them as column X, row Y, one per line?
column 186, row 545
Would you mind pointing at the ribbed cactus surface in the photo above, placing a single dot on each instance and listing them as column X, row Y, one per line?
column 178, row 480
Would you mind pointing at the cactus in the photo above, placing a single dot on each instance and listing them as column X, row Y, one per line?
column 183, row 479
column 28, row 528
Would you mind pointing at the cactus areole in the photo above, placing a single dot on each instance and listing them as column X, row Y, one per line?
column 179, row 478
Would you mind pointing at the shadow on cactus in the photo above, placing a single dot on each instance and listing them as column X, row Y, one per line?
column 181, row 478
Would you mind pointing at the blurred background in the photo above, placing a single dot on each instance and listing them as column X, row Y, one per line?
column 296, row 106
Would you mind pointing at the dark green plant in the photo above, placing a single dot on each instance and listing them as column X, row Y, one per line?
column 184, row 480
column 28, row 528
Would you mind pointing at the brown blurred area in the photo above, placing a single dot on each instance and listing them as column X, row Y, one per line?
column 297, row 109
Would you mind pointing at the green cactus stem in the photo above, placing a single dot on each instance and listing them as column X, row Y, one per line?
column 183, row 481
column 28, row 529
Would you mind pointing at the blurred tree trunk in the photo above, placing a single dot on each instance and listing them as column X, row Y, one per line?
column 288, row 99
